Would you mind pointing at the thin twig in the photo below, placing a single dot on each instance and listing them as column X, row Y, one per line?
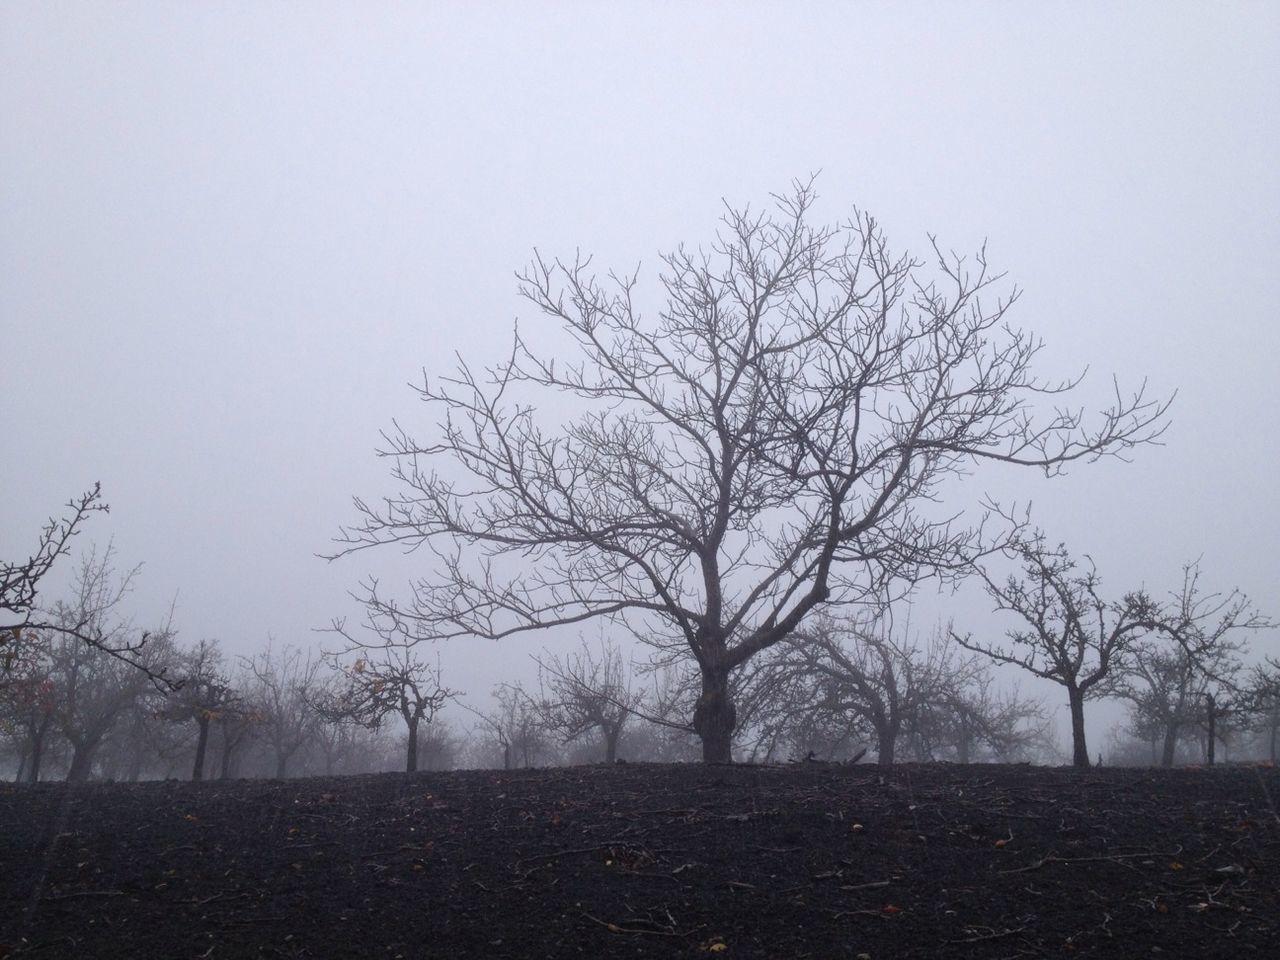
column 994, row 935
column 616, row 928
column 1114, row 858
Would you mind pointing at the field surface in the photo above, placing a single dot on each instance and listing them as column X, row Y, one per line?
column 804, row 860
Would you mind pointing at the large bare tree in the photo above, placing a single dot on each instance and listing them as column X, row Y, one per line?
column 769, row 435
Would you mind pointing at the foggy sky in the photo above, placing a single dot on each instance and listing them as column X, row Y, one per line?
column 231, row 233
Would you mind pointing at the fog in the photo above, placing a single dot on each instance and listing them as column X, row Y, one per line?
column 231, row 234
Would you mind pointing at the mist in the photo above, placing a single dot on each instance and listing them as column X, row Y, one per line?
column 231, row 236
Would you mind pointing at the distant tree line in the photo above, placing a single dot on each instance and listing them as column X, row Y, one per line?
column 842, row 688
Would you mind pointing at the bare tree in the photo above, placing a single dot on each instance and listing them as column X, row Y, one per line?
column 28, row 703
column 236, row 725
column 585, row 692
column 20, row 580
column 1196, row 678
column 19, row 591
column 974, row 720
column 346, row 747
column 1085, row 642
column 202, row 694
column 1072, row 635
column 281, row 698
column 1264, row 703
column 390, row 681
column 514, row 725
column 864, row 673
column 771, row 443
column 1167, row 686
column 95, row 686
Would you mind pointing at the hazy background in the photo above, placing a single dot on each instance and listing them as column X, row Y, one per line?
column 231, row 233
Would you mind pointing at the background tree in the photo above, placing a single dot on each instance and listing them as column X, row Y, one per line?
column 843, row 670
column 202, row 693
column 391, row 680
column 439, row 747
column 866, row 674
column 585, row 692
column 1072, row 636
column 1264, row 703
column 236, row 724
column 1167, row 686
column 281, row 697
column 1076, row 638
column 772, row 442
column 514, row 727
column 28, row 703
column 95, row 692
column 972, row 720
column 94, row 686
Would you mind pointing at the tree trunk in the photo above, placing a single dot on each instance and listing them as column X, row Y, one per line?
column 1079, row 749
column 1275, row 727
column 202, row 741
column 962, row 740
column 1213, row 728
column 37, row 748
column 411, row 760
column 224, row 768
column 37, row 754
column 1170, row 744
column 714, row 718
column 886, row 738
column 611, row 735
column 282, row 763
column 81, row 762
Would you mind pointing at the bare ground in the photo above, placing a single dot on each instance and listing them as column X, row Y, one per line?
column 805, row 860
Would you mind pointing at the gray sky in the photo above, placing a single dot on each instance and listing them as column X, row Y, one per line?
column 230, row 233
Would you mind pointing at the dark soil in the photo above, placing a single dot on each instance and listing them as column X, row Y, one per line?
column 807, row 860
